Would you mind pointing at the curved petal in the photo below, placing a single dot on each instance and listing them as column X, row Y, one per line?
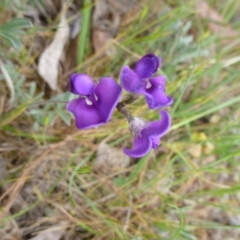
column 129, row 79
column 159, row 81
column 141, row 146
column 86, row 116
column 155, row 142
column 160, row 127
column 147, row 66
column 81, row 84
column 106, row 96
column 156, row 96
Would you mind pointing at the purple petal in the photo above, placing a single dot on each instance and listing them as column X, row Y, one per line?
column 86, row 116
column 147, row 66
column 160, row 127
column 129, row 79
column 155, row 93
column 81, row 84
column 155, row 142
column 107, row 94
column 141, row 147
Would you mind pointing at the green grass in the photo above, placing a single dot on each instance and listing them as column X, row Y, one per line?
column 172, row 193
column 84, row 36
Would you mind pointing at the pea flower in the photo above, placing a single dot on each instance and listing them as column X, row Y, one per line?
column 147, row 135
column 96, row 103
column 141, row 80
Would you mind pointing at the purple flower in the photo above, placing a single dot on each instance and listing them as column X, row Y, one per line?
column 97, row 101
column 141, row 80
column 147, row 135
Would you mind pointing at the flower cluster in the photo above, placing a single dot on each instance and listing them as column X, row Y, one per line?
column 97, row 101
column 140, row 80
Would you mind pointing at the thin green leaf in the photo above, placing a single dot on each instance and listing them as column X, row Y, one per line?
column 9, row 117
column 84, row 35
column 13, row 40
column 15, row 25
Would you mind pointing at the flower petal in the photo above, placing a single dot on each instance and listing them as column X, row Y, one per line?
column 147, row 65
column 107, row 95
column 155, row 93
column 81, row 84
column 129, row 79
column 160, row 127
column 86, row 116
column 141, row 146
column 155, row 142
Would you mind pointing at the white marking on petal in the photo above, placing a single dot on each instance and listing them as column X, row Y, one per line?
column 88, row 102
column 96, row 97
column 148, row 85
